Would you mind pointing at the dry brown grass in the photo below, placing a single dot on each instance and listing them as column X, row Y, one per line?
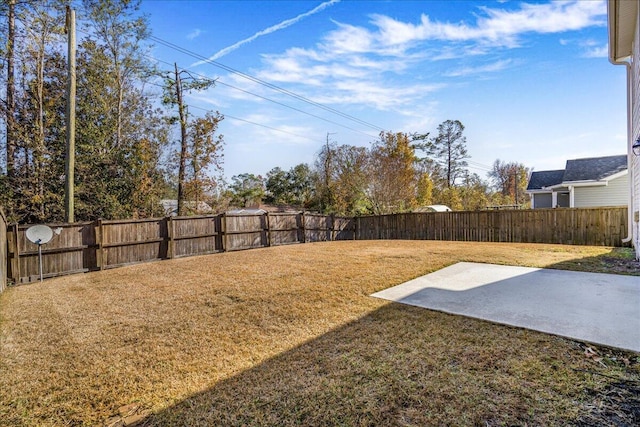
column 290, row 336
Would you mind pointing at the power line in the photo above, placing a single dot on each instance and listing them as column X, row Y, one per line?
column 266, row 99
column 264, row 83
column 245, row 120
column 255, row 79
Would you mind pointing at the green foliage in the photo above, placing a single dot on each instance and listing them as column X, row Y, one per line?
column 196, row 138
column 341, row 175
column 204, row 156
column 119, row 136
column 389, row 177
column 294, row 187
column 247, row 190
column 392, row 178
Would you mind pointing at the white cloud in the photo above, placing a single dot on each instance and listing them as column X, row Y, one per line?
column 489, row 68
column 597, row 52
column 194, row 34
column 497, row 26
column 390, row 66
column 349, row 39
column 375, row 95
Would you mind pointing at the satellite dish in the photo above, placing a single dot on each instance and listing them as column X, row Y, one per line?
column 39, row 234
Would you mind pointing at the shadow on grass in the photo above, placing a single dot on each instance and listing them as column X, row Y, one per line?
column 401, row 365
column 618, row 261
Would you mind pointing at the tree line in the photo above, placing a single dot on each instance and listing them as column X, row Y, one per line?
column 126, row 155
column 137, row 144
column 398, row 172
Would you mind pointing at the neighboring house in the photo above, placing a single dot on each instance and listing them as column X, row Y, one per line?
column 432, row 208
column 170, row 207
column 624, row 49
column 583, row 183
column 247, row 211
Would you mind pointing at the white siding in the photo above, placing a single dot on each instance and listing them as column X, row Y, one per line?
column 614, row 194
column 634, row 167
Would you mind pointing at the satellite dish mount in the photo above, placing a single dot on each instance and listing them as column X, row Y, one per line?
column 41, row 235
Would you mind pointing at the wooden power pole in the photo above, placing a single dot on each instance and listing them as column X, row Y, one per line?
column 11, row 104
column 70, row 159
column 183, row 141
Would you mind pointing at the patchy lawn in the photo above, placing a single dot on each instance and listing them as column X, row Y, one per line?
column 289, row 336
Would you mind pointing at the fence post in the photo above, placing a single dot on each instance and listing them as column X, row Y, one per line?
column 4, row 248
column 223, row 231
column 170, row 247
column 100, row 241
column 355, row 228
column 15, row 255
column 332, row 221
column 268, row 224
column 304, row 230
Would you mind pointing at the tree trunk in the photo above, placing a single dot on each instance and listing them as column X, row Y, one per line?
column 183, row 142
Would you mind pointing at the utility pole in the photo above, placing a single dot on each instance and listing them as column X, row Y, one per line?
column 327, row 172
column 183, row 141
column 517, row 206
column 70, row 159
column 11, row 105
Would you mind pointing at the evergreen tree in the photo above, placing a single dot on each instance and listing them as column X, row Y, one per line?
column 448, row 150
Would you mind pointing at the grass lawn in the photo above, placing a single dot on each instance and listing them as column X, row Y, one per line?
column 289, row 336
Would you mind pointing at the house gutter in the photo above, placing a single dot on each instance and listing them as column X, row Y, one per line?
column 627, row 65
column 612, row 12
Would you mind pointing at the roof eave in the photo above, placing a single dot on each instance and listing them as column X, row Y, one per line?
column 586, row 183
column 621, row 26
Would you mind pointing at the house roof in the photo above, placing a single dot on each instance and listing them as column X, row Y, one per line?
column 579, row 170
column 432, row 208
column 543, row 179
column 595, row 168
column 170, row 206
column 246, row 211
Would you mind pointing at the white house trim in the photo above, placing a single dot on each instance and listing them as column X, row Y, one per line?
column 624, row 49
column 570, row 184
column 616, row 175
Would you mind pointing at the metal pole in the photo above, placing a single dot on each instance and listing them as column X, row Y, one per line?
column 71, row 116
column 40, row 259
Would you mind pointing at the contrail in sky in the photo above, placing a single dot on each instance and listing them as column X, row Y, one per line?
column 282, row 25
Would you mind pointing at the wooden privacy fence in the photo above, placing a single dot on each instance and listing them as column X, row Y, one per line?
column 97, row 245
column 3, row 252
column 597, row 227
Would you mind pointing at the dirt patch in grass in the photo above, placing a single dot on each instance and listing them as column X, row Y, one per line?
column 290, row 336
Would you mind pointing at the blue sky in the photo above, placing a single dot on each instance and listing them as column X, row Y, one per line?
column 530, row 81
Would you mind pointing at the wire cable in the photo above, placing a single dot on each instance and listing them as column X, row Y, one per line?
column 245, row 120
column 263, row 83
column 217, row 81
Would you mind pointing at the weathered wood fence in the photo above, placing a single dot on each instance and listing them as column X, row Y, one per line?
column 3, row 252
column 572, row 226
column 98, row 245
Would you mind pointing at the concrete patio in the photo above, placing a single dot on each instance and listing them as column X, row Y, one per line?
column 593, row 307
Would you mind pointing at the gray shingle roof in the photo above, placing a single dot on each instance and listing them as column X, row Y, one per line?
column 595, row 168
column 590, row 169
column 542, row 179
